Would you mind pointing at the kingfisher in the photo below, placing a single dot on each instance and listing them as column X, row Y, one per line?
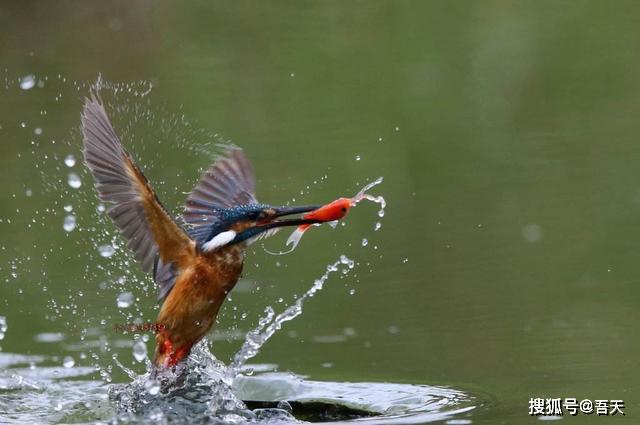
column 197, row 258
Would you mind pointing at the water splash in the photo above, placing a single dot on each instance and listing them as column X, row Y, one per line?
column 195, row 388
column 364, row 195
column 203, row 385
column 256, row 338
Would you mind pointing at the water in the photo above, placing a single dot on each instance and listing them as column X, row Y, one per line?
column 70, row 161
column 74, row 180
column 68, row 362
column 125, row 299
column 69, row 223
column 27, row 82
column 60, row 394
column 106, row 251
column 269, row 324
column 519, row 118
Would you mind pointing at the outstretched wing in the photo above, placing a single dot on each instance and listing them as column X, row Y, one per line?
column 150, row 231
column 227, row 183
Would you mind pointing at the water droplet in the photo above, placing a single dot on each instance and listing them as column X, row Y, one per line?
column 106, row 250
column 357, row 157
column 379, row 139
column 532, row 232
column 101, row 208
column 397, row 128
column 27, row 82
column 365, row 242
column 140, row 351
column 3, row 327
column 152, row 386
column 125, row 300
column 377, row 226
column 23, row 124
column 37, row 131
column 68, row 208
column 344, row 259
column 68, row 362
column 49, row 337
column 381, row 213
column 69, row 223
column 352, row 291
column 405, row 261
column 28, row 192
column 74, row 180
column 70, row 160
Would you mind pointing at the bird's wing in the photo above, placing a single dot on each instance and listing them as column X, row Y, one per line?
column 150, row 231
column 165, row 276
column 228, row 182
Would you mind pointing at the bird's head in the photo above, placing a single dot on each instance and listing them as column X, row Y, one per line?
column 248, row 223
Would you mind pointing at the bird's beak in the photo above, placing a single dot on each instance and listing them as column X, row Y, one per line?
column 285, row 211
column 273, row 222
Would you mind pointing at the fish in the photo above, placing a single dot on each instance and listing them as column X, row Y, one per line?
column 333, row 212
column 330, row 213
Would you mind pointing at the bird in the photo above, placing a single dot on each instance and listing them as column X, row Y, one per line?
column 197, row 258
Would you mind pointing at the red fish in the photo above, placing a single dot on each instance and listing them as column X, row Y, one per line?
column 328, row 213
column 334, row 211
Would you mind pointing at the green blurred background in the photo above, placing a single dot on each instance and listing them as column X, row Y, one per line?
column 507, row 134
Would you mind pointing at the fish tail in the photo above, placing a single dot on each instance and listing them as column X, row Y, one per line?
column 296, row 236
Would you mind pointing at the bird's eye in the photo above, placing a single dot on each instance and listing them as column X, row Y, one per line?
column 344, row 209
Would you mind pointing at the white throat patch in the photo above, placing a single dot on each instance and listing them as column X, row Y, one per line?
column 219, row 240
